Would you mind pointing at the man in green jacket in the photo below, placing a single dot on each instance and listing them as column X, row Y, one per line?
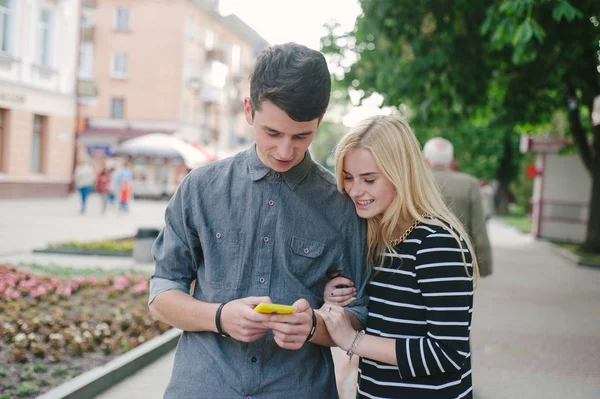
column 462, row 195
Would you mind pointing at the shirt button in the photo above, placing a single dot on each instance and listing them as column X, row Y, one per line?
column 306, row 250
column 262, row 280
column 253, row 360
column 266, row 239
column 271, row 202
column 277, row 175
column 219, row 235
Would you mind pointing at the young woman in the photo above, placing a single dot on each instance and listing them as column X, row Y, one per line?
column 416, row 342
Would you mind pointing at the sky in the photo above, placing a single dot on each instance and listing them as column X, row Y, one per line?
column 301, row 21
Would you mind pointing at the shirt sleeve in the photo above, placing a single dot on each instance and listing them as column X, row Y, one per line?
column 447, row 293
column 354, row 262
column 177, row 249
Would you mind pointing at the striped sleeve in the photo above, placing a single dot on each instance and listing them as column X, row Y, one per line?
column 447, row 293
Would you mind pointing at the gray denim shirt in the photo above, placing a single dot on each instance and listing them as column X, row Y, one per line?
column 240, row 229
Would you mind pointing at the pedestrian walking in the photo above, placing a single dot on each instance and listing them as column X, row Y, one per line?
column 265, row 225
column 463, row 197
column 85, row 181
column 103, row 184
column 417, row 338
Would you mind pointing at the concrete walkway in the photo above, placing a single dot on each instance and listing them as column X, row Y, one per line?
column 536, row 331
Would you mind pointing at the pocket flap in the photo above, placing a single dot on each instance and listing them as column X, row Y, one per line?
column 307, row 248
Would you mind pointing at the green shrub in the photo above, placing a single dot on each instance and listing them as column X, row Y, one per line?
column 26, row 390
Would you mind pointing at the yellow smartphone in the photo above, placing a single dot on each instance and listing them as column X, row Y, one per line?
column 273, row 308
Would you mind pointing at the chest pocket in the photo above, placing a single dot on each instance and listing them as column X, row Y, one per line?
column 223, row 252
column 306, row 256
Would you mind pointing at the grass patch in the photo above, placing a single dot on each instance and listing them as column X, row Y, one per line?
column 69, row 272
column 123, row 245
column 574, row 249
column 521, row 222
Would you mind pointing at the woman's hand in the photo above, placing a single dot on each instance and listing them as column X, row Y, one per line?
column 338, row 325
column 339, row 291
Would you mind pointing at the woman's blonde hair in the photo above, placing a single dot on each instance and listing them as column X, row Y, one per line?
column 397, row 153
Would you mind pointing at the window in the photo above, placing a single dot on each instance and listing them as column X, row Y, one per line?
column 209, row 43
column 86, row 65
column 117, row 108
column 45, row 38
column 122, row 19
column 37, row 143
column 5, row 26
column 3, row 120
column 235, row 58
column 119, row 66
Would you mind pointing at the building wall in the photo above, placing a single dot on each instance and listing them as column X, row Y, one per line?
column 29, row 87
column 561, row 198
column 172, row 48
column 154, row 51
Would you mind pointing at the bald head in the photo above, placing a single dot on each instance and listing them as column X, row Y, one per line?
column 438, row 152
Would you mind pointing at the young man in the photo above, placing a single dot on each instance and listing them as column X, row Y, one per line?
column 266, row 225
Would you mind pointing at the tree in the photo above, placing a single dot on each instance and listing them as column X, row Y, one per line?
column 554, row 67
column 490, row 67
column 431, row 57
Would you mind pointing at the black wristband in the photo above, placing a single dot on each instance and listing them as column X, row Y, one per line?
column 218, row 320
column 314, row 326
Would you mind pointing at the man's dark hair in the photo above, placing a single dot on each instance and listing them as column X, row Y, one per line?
column 294, row 78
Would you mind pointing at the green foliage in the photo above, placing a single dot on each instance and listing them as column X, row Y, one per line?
column 2, row 373
column 26, row 376
column 522, row 186
column 72, row 272
column 59, row 371
column 324, row 143
column 26, row 390
column 38, row 368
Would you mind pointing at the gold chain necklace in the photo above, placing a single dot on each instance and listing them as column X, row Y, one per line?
column 397, row 241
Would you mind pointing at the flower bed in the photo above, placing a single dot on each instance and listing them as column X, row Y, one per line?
column 53, row 329
column 117, row 247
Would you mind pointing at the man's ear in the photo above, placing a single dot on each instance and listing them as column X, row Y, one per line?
column 248, row 112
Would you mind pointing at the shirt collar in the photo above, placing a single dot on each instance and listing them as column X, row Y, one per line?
column 292, row 177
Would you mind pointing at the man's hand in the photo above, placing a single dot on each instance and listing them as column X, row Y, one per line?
column 242, row 322
column 290, row 331
column 339, row 290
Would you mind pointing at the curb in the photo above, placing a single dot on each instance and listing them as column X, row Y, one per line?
column 99, row 379
column 569, row 255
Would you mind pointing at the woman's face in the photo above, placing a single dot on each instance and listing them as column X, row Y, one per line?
column 364, row 182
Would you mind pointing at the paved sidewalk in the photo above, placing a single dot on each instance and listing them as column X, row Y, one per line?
column 536, row 331
column 28, row 224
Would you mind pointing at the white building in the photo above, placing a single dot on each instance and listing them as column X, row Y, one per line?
column 561, row 191
column 38, row 58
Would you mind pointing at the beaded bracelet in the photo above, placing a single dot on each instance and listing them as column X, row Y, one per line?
column 218, row 321
column 357, row 337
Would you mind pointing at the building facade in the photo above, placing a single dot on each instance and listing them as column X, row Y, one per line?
column 168, row 66
column 38, row 63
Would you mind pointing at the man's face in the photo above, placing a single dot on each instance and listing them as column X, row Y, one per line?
column 280, row 141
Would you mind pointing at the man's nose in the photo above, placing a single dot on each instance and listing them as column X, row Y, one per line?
column 286, row 151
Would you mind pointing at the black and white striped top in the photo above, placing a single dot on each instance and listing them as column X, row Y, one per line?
column 423, row 298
